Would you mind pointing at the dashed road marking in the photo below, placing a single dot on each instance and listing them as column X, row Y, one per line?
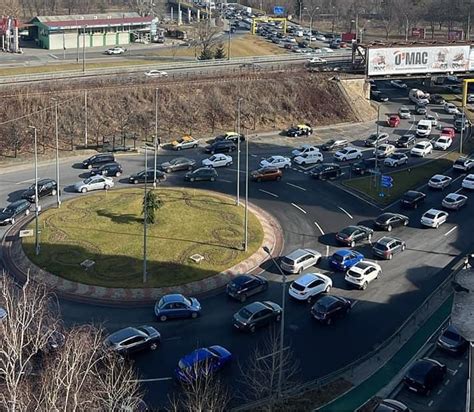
column 345, row 211
column 460, row 364
column 299, row 208
column 268, row 193
column 447, row 382
column 327, row 250
column 450, row 231
column 439, row 392
column 53, row 56
column 296, row 186
column 225, row 180
column 430, row 403
column 25, row 181
column 452, row 371
column 319, row 227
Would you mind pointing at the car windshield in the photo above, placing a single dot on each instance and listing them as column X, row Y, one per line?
column 381, row 246
column 348, row 231
column 180, row 140
column 451, row 335
column 88, row 180
column 422, row 127
column 430, row 216
column 245, row 313
column 297, row 286
column 330, row 142
column 420, row 146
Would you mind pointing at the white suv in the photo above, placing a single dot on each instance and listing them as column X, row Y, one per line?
column 310, row 285
column 308, row 158
column 362, row 273
column 423, row 128
column 422, row 148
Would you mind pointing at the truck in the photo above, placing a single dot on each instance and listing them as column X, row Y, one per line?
column 418, row 96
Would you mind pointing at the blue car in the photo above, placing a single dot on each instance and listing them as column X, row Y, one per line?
column 177, row 306
column 345, row 259
column 202, row 362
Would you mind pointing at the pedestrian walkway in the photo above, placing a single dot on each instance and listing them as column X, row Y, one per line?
column 360, row 394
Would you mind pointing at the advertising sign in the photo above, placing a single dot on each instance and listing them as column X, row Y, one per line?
column 348, row 37
column 404, row 60
column 418, row 32
column 455, row 35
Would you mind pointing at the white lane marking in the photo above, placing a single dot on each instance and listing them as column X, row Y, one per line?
column 452, row 371
column 413, row 123
column 298, row 187
column 439, row 392
column 447, row 382
column 225, row 180
column 450, row 230
column 457, row 191
column 268, row 193
column 299, row 208
column 460, row 364
column 53, row 56
column 319, row 227
column 253, row 155
column 327, row 250
column 430, row 403
column 153, row 379
column 345, row 211
column 25, row 181
column 173, row 338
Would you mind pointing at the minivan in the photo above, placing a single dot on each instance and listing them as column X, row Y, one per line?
column 299, row 260
column 98, row 160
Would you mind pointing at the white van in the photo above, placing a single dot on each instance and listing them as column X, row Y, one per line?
column 423, row 129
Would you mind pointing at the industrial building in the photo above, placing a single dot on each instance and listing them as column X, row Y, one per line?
column 91, row 30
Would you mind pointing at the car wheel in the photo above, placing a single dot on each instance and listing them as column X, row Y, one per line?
column 343, row 159
column 117, row 174
column 329, row 321
column 212, row 179
column 278, row 178
column 27, row 212
column 359, row 156
column 89, row 166
column 194, row 315
column 259, row 179
column 229, row 164
column 195, row 146
column 328, row 288
column 12, row 222
column 404, row 247
column 191, row 179
column 278, row 318
column 389, row 228
column 243, row 298
column 178, row 148
column 369, row 237
column 212, row 152
column 352, row 243
column 437, row 225
column 300, row 271
column 405, row 223
column 252, row 329
column 53, row 192
column 84, row 190
column 106, row 187
column 390, row 256
column 169, row 170
column 364, row 286
column 135, row 182
column 163, row 318
column 287, row 166
column 153, row 346
column 303, row 163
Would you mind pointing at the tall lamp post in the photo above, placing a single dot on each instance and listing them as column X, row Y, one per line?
column 282, row 324
column 311, row 15
column 58, row 195
column 84, row 49
column 156, row 138
column 246, row 213
column 237, row 198
column 37, row 245
column 145, row 218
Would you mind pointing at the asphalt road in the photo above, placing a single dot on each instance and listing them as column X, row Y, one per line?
column 310, row 212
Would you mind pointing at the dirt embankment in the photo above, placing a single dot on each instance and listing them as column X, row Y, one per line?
column 201, row 106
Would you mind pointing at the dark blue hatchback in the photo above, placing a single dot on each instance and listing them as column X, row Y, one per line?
column 345, row 259
column 177, row 306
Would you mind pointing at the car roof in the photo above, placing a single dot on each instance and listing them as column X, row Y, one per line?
column 241, row 279
column 328, row 300
column 362, row 265
column 343, row 252
column 433, row 211
column 43, row 181
column 255, row 307
column 297, row 254
column 386, row 240
column 174, row 297
column 123, row 334
column 307, row 278
column 196, row 356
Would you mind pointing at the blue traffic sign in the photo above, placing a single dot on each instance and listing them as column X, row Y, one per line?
column 386, row 181
column 278, row 10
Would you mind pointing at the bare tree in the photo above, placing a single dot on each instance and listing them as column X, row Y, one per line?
column 206, row 36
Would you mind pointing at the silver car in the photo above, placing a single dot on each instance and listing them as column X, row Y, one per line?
column 97, row 182
column 300, row 260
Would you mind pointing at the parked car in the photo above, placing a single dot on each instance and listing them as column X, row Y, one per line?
column 412, row 199
column 452, row 341
column 256, row 315
column 375, row 139
column 398, row 84
column 218, row 160
column 406, row 140
column 329, row 308
column 362, row 273
column 177, row 306
column 326, row 171
column 129, row 340
column 349, row 153
column 345, row 259
column 454, row 201
column 147, row 175
column 334, row 144
column 468, row 182
column 299, row 260
column 201, row 174
column 391, row 405
column 304, row 149
column 364, row 166
column 309, row 158
column 98, row 160
column 46, row 187
column 404, row 112
column 443, row 143
column 422, row 149
column 388, row 220
column 299, row 130
column 94, row 183
column 178, row 163
column 384, row 150
column 450, row 108
column 243, row 286
column 309, row 285
column 221, row 146
column 109, row 169
column 460, row 124
column 202, row 362
column 434, row 218
column 424, row 375
column 464, row 164
column 439, row 181
column 396, row 159
column 280, row 162
column 233, row 136
column 393, row 120
column 388, row 246
column 156, row 73
column 351, row 235
column 185, row 142
column 14, row 210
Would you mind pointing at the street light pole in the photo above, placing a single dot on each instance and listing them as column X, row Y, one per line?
column 85, row 119
column 156, row 138
column 462, row 130
column 145, row 218
column 84, row 49
column 246, row 215
column 237, row 199
column 37, row 245
column 228, row 47
column 58, row 196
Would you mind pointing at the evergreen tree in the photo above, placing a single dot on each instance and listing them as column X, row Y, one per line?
column 220, row 52
column 206, row 54
column 151, row 203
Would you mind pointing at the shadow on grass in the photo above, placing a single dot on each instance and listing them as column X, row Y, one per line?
column 120, row 218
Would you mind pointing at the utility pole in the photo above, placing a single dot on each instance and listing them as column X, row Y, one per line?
column 145, row 218
column 77, row 43
column 462, row 130
column 237, row 200
column 406, row 28
column 84, row 49
column 58, row 196
column 156, row 138
column 376, row 146
column 246, row 214
column 228, row 47
column 37, row 245
column 85, row 118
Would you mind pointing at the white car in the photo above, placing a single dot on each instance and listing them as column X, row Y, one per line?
column 349, row 153
column 423, row 128
column 320, row 37
column 398, row 84
column 396, row 159
column 434, row 218
column 97, row 182
column 317, row 60
column 326, row 50
column 443, row 143
column 454, row 201
column 362, row 273
column 309, row 285
column 451, row 108
column 439, row 181
column 433, row 119
column 464, row 163
column 304, row 149
column 384, row 150
column 404, row 112
column 218, row 160
column 115, row 50
column 422, row 148
column 156, row 73
column 470, row 98
column 468, row 182
column 279, row 162
column 309, row 158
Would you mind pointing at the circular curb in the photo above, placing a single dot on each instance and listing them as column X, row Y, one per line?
column 18, row 264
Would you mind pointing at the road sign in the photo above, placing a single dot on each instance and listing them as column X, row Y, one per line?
column 278, row 10
column 26, row 233
column 386, row 181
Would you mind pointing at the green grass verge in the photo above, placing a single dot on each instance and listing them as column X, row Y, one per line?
column 403, row 180
column 108, row 228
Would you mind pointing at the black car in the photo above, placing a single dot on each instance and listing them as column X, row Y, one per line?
column 257, row 314
column 203, row 173
column 299, row 130
column 351, row 235
column 243, row 286
column 420, row 109
column 46, row 187
column 391, row 405
column 129, row 340
column 109, row 169
column 232, row 136
column 364, row 166
column 222, row 146
column 378, row 96
column 13, row 210
column 326, row 171
column 387, row 221
column 451, row 341
column 328, row 308
column 334, row 145
column 437, row 99
column 179, row 163
column 406, row 140
column 98, row 160
column 424, row 375
column 140, row 177
column 412, row 199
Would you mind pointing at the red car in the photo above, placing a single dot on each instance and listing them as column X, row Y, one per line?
column 448, row 131
column 393, row 120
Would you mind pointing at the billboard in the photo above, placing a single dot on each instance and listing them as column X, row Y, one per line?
column 422, row 59
column 418, row 32
column 348, row 37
